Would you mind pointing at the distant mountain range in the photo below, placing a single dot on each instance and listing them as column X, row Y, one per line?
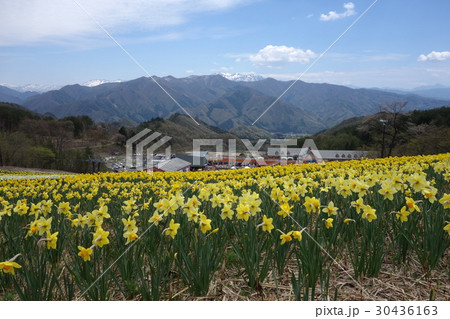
column 218, row 101
column 432, row 91
column 14, row 96
column 92, row 83
column 245, row 77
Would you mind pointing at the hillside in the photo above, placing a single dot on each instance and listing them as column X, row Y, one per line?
column 416, row 132
column 183, row 131
column 12, row 114
column 243, row 106
column 305, row 108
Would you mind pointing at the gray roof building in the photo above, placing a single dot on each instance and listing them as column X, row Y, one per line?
column 173, row 165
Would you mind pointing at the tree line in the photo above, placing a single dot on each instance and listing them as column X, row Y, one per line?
column 31, row 140
column 391, row 132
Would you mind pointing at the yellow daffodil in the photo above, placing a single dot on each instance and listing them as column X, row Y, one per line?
column 129, row 225
column 330, row 209
column 358, row 204
column 35, row 209
column 21, row 207
column 369, row 213
column 387, row 191
column 417, row 182
column 192, row 214
column 328, row 223
column 173, row 229
column 267, row 224
column 156, row 218
column 52, row 239
column 447, row 228
column 311, row 204
column 297, row 235
column 64, row 208
column 100, row 238
column 227, row 212
column 430, row 194
column 445, row 201
column 34, row 227
column 411, row 204
column 8, row 267
column 85, row 253
column 102, row 212
column 44, row 225
column 130, row 236
column 285, row 209
column 243, row 212
column 286, row 237
column 130, row 206
column 205, row 223
column 403, row 214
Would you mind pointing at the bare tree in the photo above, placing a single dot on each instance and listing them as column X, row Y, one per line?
column 392, row 125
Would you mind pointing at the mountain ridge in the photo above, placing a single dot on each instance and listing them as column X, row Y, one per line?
column 304, row 108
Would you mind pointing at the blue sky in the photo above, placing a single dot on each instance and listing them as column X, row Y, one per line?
column 397, row 43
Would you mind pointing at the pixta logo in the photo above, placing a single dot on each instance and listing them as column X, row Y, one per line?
column 141, row 140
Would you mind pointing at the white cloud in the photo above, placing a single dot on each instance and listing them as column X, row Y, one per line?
column 273, row 55
column 435, row 56
column 333, row 15
column 27, row 22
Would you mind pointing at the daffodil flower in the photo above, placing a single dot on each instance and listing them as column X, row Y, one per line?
column 8, row 267
column 85, row 253
column 52, row 240
column 311, row 204
column 193, row 214
column 445, row 201
column 430, row 194
column 100, row 238
column 403, row 214
column 411, row 204
column 243, row 212
column 285, row 237
column 330, row 209
column 130, row 236
column 227, row 212
column 266, row 224
column 328, row 223
column 447, row 228
column 358, row 204
column 64, row 208
column 205, row 224
column 297, row 235
column 129, row 225
column 369, row 213
column 173, row 229
column 387, row 191
column 156, row 218
column 285, row 210
column 44, row 225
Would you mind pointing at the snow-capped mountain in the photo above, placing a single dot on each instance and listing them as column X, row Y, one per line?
column 40, row 88
column 245, row 77
column 92, row 83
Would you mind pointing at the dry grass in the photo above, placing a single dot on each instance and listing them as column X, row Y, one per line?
column 407, row 283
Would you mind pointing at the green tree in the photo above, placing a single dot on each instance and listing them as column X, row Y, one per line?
column 40, row 157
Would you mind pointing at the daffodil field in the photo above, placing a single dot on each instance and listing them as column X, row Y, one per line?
column 294, row 231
